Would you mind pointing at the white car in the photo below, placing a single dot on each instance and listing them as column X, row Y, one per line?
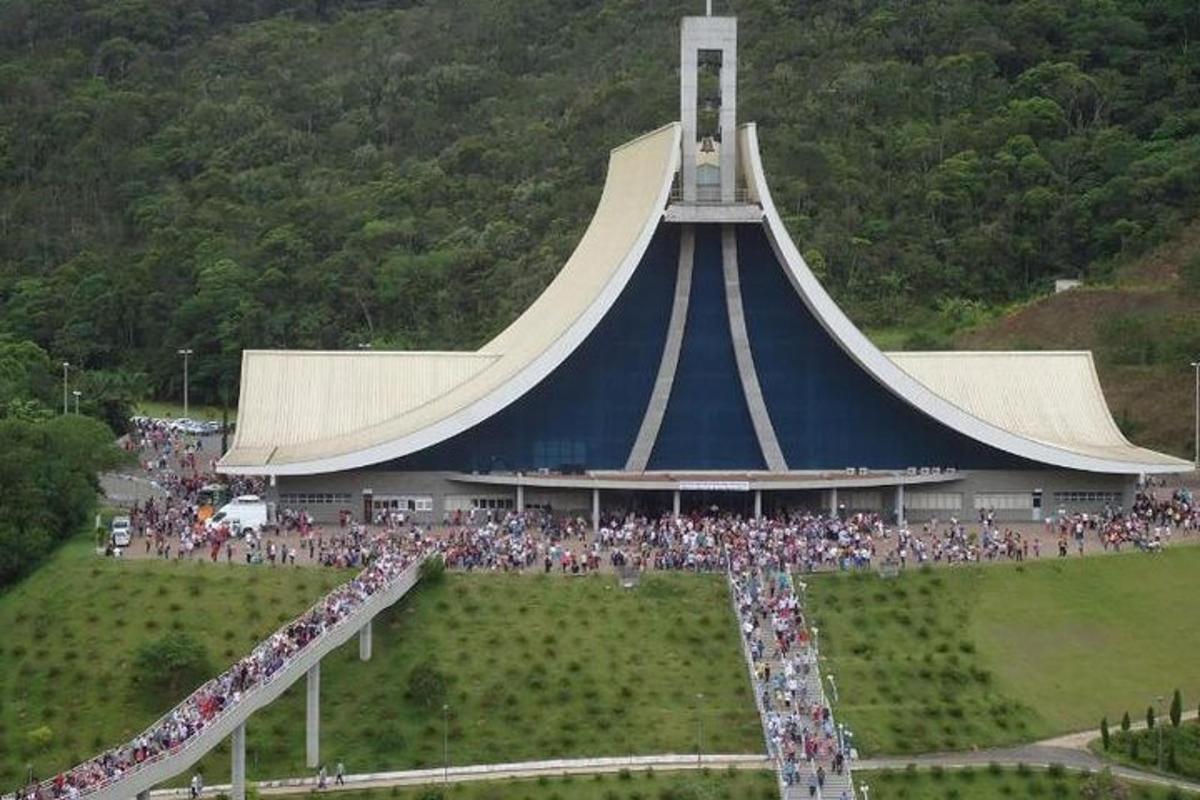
column 121, row 532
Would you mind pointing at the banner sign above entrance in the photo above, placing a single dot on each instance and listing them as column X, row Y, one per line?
column 714, row 486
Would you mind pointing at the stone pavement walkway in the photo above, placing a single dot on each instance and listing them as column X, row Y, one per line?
column 494, row 772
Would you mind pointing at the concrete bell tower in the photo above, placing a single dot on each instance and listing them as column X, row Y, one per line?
column 708, row 108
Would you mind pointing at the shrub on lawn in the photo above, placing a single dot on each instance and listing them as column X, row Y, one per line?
column 1125, row 724
column 1103, row 786
column 1149, row 718
column 1104, row 732
column 1176, row 709
column 427, row 685
column 168, row 666
column 433, row 571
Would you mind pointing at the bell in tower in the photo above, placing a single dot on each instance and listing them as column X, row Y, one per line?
column 708, row 108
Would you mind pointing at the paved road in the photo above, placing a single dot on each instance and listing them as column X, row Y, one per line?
column 1034, row 755
column 1080, row 740
column 496, row 772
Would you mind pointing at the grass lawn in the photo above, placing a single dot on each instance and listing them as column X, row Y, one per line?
column 995, row 783
column 531, row 667
column 71, row 630
column 964, row 657
column 1180, row 747
column 722, row 784
column 534, row 667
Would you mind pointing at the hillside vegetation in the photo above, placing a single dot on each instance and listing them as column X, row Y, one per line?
column 1143, row 327
column 222, row 174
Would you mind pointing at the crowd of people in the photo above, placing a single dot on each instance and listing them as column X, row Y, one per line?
column 797, row 720
column 759, row 555
column 391, row 557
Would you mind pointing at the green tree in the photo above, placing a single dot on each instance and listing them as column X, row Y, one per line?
column 1104, row 736
column 1176, row 712
column 1189, row 275
column 167, row 668
column 1149, row 718
column 1125, row 723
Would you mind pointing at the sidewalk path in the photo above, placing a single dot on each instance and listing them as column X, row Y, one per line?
column 1034, row 755
column 494, row 772
column 1080, row 740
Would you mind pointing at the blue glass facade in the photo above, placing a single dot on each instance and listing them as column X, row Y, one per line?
column 827, row 411
column 707, row 424
column 589, row 410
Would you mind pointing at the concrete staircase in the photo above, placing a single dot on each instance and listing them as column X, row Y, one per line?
column 834, row 786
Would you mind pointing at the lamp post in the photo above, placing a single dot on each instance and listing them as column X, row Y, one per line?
column 833, row 685
column 816, row 639
column 185, row 352
column 1159, row 723
column 77, row 393
column 866, row 792
column 1196, row 445
column 65, row 364
column 699, row 726
column 445, row 743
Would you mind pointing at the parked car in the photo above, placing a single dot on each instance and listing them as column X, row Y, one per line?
column 121, row 532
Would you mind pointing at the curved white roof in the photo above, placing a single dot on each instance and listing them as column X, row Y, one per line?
column 1080, row 455
column 1049, row 397
column 306, row 412
column 337, row 415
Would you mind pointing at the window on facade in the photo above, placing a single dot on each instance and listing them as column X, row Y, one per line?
column 863, row 500
column 933, row 501
column 314, row 498
column 1004, row 501
column 1094, row 498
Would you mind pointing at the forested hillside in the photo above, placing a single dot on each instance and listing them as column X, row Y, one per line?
column 221, row 174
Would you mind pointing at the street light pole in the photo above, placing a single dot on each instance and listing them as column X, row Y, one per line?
column 65, row 365
column 445, row 743
column 77, row 393
column 1159, row 723
column 185, row 352
column 1196, row 445
column 699, row 726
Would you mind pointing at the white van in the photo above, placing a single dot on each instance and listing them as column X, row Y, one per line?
column 121, row 532
column 247, row 514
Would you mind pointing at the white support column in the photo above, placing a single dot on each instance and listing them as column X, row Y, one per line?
column 675, row 503
column 758, row 503
column 595, row 510
column 833, row 502
column 313, row 728
column 899, row 503
column 364, row 641
column 237, row 772
column 520, row 498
